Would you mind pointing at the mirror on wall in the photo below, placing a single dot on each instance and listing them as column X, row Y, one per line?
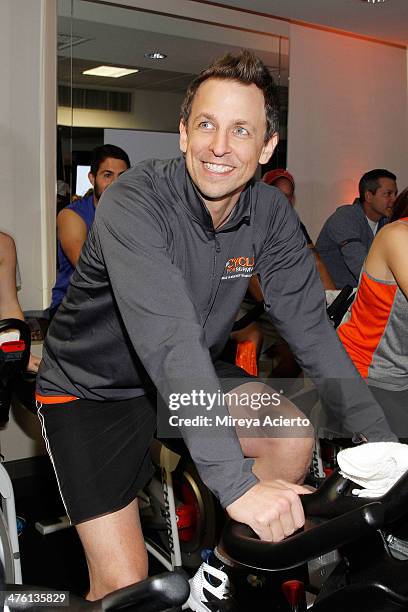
column 162, row 55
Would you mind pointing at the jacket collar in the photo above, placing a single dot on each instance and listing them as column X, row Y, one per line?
column 358, row 204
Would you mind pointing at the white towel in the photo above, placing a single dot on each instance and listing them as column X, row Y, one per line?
column 375, row 466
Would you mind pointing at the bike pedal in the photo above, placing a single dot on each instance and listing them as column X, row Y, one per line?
column 50, row 526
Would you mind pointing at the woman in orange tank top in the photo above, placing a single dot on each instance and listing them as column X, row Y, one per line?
column 376, row 336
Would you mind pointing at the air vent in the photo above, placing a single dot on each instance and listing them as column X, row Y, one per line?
column 64, row 41
column 96, row 99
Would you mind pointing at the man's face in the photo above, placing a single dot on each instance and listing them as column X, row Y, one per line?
column 285, row 187
column 380, row 203
column 109, row 170
column 223, row 141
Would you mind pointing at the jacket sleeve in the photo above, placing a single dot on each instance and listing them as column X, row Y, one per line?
column 295, row 302
column 346, row 231
column 164, row 329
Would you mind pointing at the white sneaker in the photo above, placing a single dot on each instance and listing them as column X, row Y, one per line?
column 209, row 589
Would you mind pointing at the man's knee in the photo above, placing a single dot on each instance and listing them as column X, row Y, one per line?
column 285, row 458
column 296, row 450
column 289, row 449
column 270, row 414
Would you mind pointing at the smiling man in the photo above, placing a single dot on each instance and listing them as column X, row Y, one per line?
column 153, row 299
column 223, row 143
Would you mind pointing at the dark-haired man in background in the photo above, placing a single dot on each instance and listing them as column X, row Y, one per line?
column 346, row 236
column 74, row 221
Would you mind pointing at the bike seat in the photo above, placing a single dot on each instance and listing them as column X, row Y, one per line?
column 14, row 355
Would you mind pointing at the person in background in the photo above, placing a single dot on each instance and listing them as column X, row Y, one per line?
column 75, row 220
column 284, row 181
column 376, row 337
column 9, row 306
column 346, row 237
column 261, row 332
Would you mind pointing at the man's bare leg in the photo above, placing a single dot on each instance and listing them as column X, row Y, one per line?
column 115, row 550
column 279, row 458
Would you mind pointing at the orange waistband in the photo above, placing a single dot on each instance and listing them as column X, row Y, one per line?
column 54, row 399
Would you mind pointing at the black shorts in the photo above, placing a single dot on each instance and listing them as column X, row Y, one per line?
column 100, row 450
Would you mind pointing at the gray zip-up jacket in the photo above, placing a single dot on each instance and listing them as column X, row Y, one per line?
column 157, row 290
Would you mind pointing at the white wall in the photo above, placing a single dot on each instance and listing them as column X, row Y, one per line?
column 208, row 13
column 27, row 137
column 27, row 163
column 141, row 145
column 347, row 115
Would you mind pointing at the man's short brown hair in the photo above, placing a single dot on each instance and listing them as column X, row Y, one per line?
column 244, row 68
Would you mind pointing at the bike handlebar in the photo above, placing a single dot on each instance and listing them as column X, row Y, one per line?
column 333, row 519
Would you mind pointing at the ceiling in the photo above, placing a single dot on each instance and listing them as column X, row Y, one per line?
column 185, row 57
column 386, row 21
column 113, row 35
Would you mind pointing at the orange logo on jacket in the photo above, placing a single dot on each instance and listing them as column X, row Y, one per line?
column 239, row 263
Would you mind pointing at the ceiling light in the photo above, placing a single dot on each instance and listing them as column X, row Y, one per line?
column 110, row 71
column 155, row 55
column 374, row 1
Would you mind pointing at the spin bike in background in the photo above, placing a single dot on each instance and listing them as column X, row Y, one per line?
column 14, row 356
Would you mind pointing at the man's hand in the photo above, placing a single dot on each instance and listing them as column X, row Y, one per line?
column 271, row 508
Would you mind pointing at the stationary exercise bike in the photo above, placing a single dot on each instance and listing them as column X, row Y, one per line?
column 180, row 516
column 370, row 535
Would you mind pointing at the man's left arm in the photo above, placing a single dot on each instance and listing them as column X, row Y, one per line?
column 295, row 301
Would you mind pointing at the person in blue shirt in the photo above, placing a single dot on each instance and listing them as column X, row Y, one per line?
column 75, row 220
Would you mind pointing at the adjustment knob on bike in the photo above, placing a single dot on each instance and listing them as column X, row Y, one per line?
column 294, row 592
